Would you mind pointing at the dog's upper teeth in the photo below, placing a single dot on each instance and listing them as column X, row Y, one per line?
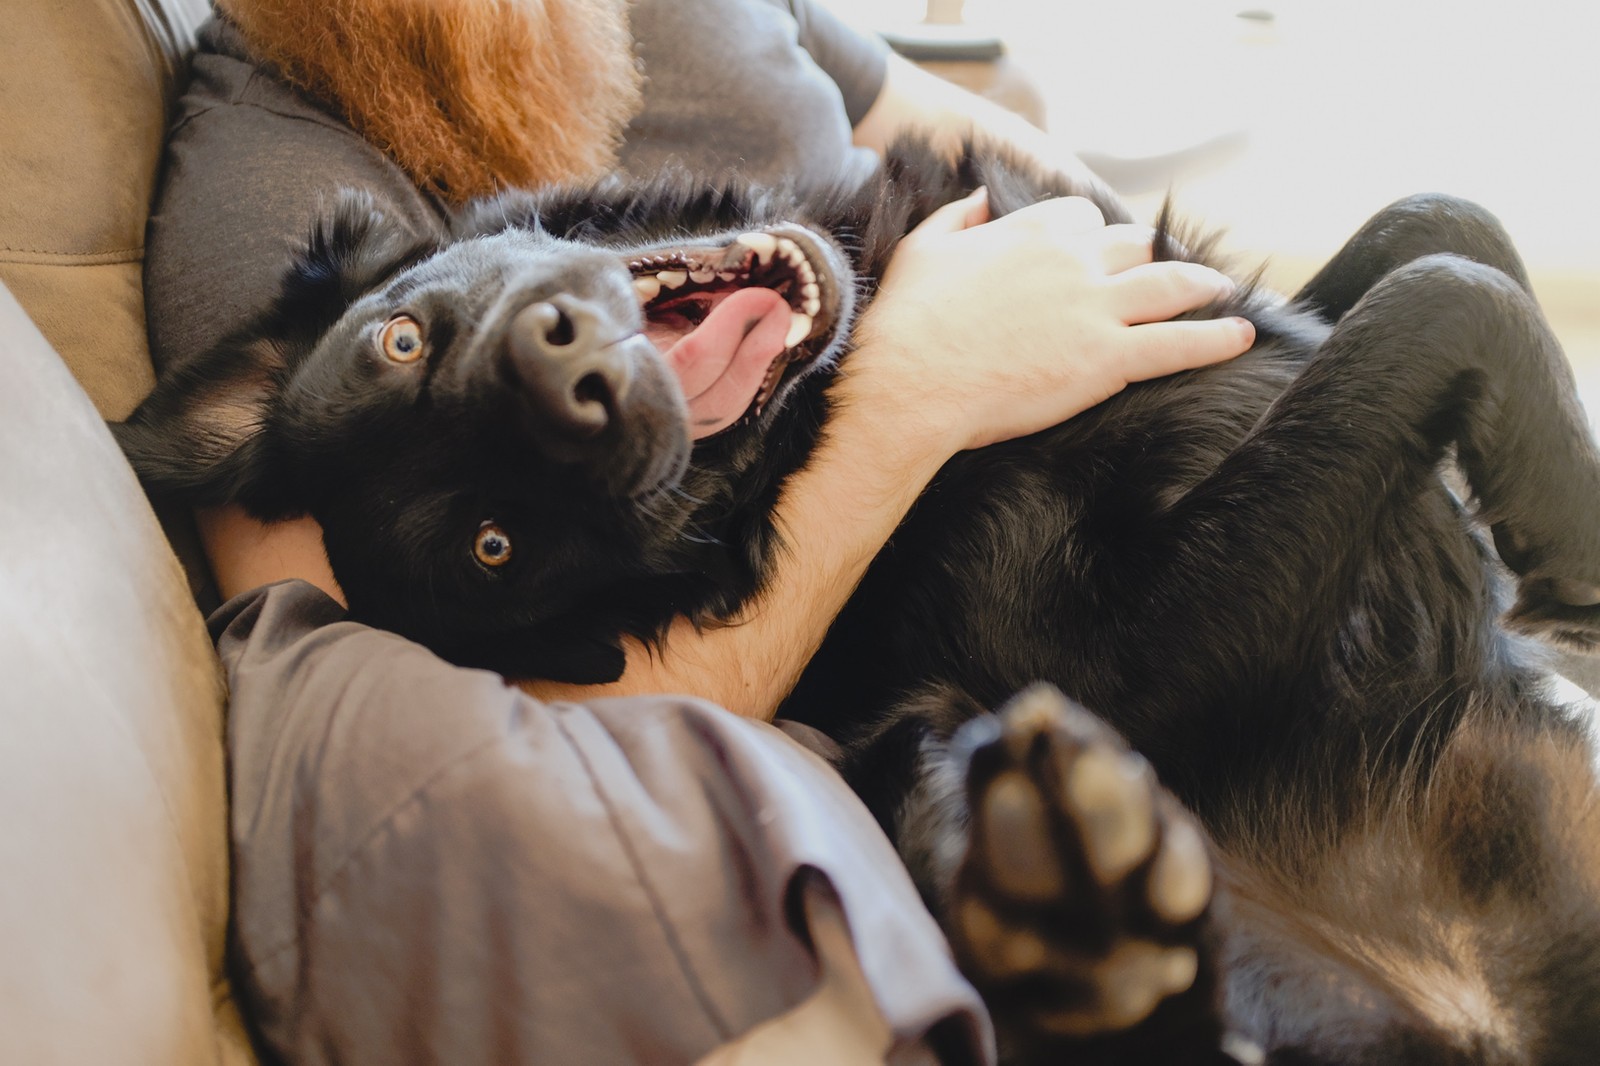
column 672, row 279
column 799, row 329
column 810, row 291
column 647, row 287
column 727, row 275
column 763, row 244
column 791, row 253
column 811, row 306
column 807, row 275
column 701, row 274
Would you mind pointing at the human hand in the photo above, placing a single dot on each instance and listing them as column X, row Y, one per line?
column 983, row 331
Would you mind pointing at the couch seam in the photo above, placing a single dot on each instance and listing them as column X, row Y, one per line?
column 115, row 255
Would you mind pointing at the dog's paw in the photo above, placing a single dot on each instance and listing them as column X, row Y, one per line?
column 1080, row 908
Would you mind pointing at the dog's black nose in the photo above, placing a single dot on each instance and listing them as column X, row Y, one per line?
column 564, row 350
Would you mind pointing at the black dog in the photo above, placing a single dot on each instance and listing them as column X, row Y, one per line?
column 1255, row 575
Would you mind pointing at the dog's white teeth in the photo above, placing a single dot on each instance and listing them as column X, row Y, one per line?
column 647, row 287
column 763, row 244
column 672, row 279
column 807, row 275
column 791, row 253
column 799, row 329
column 811, row 306
column 701, row 275
column 810, row 291
column 726, row 275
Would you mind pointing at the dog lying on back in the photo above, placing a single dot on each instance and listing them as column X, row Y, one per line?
column 1375, row 838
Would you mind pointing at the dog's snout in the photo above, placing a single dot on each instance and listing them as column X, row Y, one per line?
column 564, row 350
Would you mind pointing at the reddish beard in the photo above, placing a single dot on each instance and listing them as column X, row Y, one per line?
column 467, row 96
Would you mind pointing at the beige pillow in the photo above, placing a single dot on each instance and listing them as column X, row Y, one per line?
column 87, row 86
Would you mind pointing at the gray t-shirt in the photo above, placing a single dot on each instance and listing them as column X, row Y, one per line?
column 768, row 88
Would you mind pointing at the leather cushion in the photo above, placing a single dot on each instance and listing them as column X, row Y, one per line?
column 88, row 86
column 113, row 902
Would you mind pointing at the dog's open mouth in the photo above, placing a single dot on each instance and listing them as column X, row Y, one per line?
column 730, row 319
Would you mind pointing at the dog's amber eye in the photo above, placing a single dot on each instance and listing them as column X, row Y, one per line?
column 401, row 339
column 492, row 546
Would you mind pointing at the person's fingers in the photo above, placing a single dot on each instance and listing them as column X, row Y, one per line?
column 1161, row 348
column 1155, row 292
column 977, row 203
column 971, row 210
column 1125, row 246
column 1061, row 217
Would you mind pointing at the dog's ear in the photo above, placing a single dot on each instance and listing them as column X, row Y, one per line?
column 352, row 250
column 202, row 436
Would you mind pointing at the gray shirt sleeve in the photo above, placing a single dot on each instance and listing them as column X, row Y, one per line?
column 857, row 62
column 763, row 89
column 432, row 866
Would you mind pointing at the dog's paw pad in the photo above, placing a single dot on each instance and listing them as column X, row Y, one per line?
column 1179, row 886
column 1080, row 900
column 1109, row 793
column 1019, row 852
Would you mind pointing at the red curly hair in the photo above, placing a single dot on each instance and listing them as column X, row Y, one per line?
column 467, row 96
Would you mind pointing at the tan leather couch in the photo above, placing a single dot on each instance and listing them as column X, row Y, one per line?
column 113, row 844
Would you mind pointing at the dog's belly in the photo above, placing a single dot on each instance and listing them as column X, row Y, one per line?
column 1023, row 562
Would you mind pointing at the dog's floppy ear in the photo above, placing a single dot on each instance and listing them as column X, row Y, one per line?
column 200, row 436
column 203, row 435
column 352, row 250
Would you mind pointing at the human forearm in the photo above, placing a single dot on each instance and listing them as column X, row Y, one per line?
column 913, row 99
column 834, row 517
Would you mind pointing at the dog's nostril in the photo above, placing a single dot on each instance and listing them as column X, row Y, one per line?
column 593, row 388
column 562, row 332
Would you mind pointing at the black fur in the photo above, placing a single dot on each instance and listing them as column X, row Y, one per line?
column 1255, row 573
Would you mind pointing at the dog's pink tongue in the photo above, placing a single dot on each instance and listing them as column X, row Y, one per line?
column 724, row 360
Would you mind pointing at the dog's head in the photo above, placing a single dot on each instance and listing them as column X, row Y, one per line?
column 482, row 423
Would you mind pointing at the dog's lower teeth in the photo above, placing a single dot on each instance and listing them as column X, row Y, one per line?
column 799, row 329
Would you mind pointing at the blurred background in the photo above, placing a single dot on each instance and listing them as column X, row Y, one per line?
column 1289, row 122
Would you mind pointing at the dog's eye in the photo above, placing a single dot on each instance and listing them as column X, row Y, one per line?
column 400, row 340
column 492, row 547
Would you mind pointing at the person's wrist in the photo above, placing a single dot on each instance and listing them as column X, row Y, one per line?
column 880, row 398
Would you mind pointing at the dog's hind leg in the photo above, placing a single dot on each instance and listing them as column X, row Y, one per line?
column 1075, row 891
column 1441, row 351
column 1408, row 229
